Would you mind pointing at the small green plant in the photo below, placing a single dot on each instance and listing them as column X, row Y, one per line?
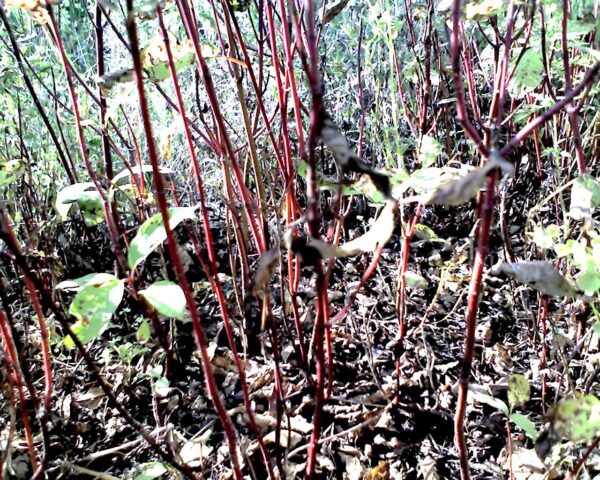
column 99, row 294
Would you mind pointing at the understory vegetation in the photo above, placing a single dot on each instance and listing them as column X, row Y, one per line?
column 274, row 239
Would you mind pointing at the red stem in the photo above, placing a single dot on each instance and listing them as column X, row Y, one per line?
column 200, row 334
column 212, row 254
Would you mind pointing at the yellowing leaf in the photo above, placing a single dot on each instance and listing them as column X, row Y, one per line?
column 36, row 8
column 380, row 472
column 486, row 8
column 518, row 390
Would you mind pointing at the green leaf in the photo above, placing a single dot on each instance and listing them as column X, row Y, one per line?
column 161, row 386
column 596, row 328
column 543, row 238
column 484, row 8
column 90, row 279
column 518, row 390
column 585, row 196
column 124, row 176
column 86, row 196
column 524, row 423
column 94, row 307
column 150, row 471
column 423, row 232
column 167, row 298
column 152, row 233
column 10, row 172
column 582, row 257
column 578, row 419
column 143, row 332
column 415, row 280
column 562, row 249
column 529, row 72
column 430, row 151
column 589, row 282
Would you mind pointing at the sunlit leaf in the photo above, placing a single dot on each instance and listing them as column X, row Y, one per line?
column 379, row 234
column 35, row 8
column 152, row 233
column 86, row 196
column 196, row 450
column 90, row 279
column 585, row 196
column 125, row 175
column 485, row 8
column 167, row 298
column 93, row 307
column 522, row 421
column 476, row 393
column 11, row 171
column 415, row 280
column 562, row 249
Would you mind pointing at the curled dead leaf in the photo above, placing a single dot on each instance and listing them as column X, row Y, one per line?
column 541, row 276
column 311, row 249
column 347, row 158
column 264, row 271
column 334, row 11
column 379, row 234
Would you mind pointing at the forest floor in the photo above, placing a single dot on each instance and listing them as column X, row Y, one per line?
column 390, row 410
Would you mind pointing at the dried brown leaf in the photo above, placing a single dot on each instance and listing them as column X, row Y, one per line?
column 465, row 188
column 347, row 158
column 334, row 11
column 541, row 276
column 264, row 271
column 379, row 234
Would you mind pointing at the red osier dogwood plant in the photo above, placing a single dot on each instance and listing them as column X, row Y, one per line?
column 251, row 168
